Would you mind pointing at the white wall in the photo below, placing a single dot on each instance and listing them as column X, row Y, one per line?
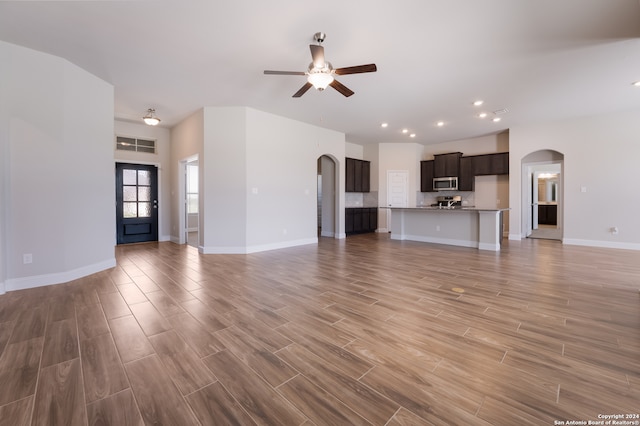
column 224, row 187
column 352, row 150
column 475, row 146
column 161, row 159
column 258, row 173
column 4, row 163
column 187, row 141
column 282, row 156
column 397, row 156
column 59, row 192
column 600, row 154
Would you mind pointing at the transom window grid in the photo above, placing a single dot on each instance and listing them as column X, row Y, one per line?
column 134, row 144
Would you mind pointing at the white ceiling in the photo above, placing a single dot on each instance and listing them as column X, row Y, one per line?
column 542, row 60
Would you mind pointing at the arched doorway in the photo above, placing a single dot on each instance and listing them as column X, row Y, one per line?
column 327, row 197
column 543, row 195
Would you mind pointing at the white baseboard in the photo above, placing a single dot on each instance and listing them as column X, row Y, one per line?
column 327, row 234
column 603, row 244
column 382, row 230
column 2, row 288
column 515, row 237
column 257, row 248
column 57, row 277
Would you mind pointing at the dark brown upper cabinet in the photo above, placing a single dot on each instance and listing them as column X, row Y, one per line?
column 465, row 168
column 358, row 175
column 426, row 176
column 466, row 179
column 491, row 164
column 446, row 165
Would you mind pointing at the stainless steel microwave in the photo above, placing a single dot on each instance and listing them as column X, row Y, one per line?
column 445, row 184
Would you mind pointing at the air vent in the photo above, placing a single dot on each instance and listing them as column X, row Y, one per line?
column 135, row 144
column 501, row 111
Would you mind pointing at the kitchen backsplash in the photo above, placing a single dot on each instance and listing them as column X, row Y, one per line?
column 361, row 199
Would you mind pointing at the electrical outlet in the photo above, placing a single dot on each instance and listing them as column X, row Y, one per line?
column 27, row 258
column 614, row 230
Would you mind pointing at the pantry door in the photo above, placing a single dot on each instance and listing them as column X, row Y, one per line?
column 397, row 191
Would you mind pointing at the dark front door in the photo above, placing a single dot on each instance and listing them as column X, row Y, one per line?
column 136, row 203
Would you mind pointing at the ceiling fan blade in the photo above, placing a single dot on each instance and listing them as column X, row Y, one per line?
column 302, row 90
column 357, row 69
column 317, row 53
column 268, row 72
column 341, row 88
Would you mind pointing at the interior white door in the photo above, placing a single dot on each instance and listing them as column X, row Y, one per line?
column 397, row 191
column 397, row 188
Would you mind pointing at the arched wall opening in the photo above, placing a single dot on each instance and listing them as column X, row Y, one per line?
column 542, row 209
column 327, row 209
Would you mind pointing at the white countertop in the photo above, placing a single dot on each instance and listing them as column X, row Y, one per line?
column 448, row 209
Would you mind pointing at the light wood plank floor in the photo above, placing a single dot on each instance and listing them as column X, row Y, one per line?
column 359, row 331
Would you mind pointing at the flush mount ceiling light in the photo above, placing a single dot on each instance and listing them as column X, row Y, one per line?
column 405, row 130
column 478, row 102
column 496, row 119
column 412, row 135
column 636, row 84
column 440, row 123
column 384, row 125
column 482, row 115
column 150, row 118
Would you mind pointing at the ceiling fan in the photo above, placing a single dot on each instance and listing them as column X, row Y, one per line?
column 321, row 73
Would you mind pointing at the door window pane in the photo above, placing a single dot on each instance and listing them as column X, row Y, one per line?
column 129, row 177
column 129, row 210
column 144, row 209
column 144, row 193
column 129, row 193
column 192, row 203
column 144, row 177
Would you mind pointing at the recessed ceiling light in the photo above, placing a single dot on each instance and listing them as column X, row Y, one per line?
column 482, row 115
column 478, row 102
column 496, row 119
column 412, row 135
column 405, row 131
column 637, row 83
column 440, row 123
column 384, row 125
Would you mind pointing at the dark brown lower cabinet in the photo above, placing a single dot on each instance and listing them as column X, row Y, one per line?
column 547, row 214
column 359, row 220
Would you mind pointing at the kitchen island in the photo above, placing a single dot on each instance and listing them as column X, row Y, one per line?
column 459, row 226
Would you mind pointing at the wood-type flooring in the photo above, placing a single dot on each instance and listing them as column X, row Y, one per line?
column 362, row 331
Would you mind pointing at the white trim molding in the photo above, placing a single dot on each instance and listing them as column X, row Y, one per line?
column 257, row 248
column 58, row 277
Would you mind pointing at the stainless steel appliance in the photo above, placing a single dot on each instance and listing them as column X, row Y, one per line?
column 445, row 183
column 448, row 201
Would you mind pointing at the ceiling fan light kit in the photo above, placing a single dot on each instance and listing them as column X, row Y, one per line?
column 321, row 74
